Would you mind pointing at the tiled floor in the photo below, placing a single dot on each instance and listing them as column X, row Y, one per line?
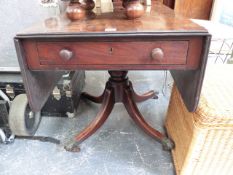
column 118, row 148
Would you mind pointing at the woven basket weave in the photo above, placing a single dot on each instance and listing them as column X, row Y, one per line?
column 204, row 139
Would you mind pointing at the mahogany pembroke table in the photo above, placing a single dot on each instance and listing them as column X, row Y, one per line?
column 159, row 40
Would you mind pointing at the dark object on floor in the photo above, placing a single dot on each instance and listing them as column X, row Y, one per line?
column 3, row 113
column 63, row 100
column 16, row 117
column 40, row 138
column 66, row 96
column 5, row 134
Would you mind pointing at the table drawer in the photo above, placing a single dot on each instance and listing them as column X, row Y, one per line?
column 113, row 53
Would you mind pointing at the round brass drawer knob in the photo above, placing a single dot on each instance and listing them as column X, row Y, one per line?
column 157, row 54
column 66, row 54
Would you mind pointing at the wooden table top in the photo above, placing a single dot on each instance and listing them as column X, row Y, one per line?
column 158, row 19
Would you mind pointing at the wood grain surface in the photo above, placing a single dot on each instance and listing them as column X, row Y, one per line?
column 158, row 18
column 198, row 9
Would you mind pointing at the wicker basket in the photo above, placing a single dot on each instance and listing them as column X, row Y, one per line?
column 204, row 139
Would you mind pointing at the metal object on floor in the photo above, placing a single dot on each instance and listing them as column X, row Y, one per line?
column 16, row 118
column 5, row 138
column 6, row 134
column 62, row 102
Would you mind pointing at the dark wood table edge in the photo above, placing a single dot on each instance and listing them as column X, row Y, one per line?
column 111, row 35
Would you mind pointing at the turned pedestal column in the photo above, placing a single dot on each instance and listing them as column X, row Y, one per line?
column 119, row 89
